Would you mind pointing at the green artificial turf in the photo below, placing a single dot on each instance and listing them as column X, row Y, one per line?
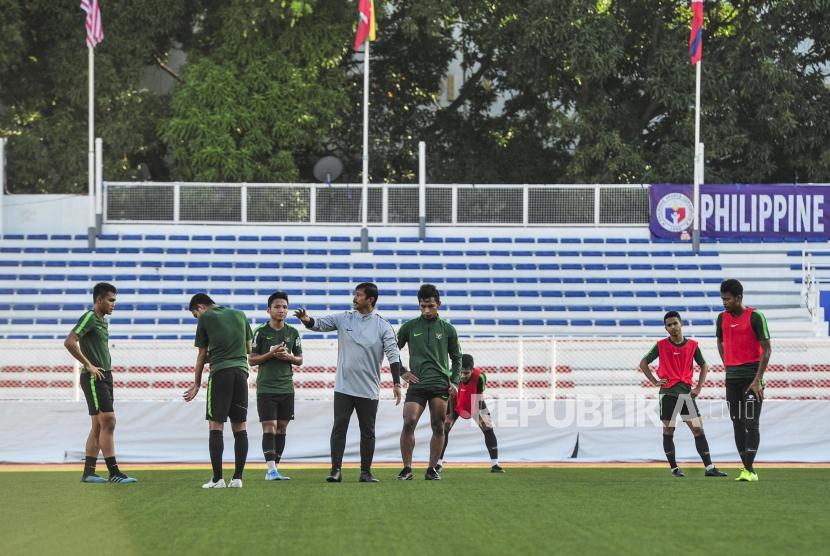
column 470, row 511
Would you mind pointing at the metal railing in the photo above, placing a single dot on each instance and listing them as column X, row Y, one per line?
column 516, row 368
column 389, row 205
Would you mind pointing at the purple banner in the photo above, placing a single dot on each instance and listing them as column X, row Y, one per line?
column 741, row 211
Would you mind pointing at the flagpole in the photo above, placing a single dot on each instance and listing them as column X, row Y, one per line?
column 91, row 140
column 698, row 163
column 364, row 196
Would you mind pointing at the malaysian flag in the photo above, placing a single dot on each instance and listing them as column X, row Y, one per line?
column 696, row 35
column 94, row 27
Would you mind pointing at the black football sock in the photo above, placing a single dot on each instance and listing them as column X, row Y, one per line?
column 240, row 452
column 269, row 445
column 702, row 446
column 739, row 429
column 280, row 446
column 753, row 439
column 89, row 465
column 668, row 448
column 112, row 466
column 446, row 441
column 216, row 444
column 491, row 443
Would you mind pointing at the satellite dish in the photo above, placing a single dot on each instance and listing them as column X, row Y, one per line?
column 328, row 169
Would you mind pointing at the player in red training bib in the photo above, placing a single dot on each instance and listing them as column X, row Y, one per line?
column 744, row 346
column 677, row 356
column 469, row 403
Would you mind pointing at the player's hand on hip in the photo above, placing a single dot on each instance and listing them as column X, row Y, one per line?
column 97, row 371
column 191, row 392
column 695, row 391
column 410, row 377
column 396, row 391
column 661, row 382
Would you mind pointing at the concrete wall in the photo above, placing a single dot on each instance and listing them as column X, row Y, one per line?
column 44, row 214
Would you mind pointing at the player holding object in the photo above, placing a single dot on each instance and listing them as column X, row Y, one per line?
column 363, row 337
column 225, row 332
column 88, row 342
column 277, row 348
column 470, row 403
column 744, row 347
column 433, row 345
column 674, row 376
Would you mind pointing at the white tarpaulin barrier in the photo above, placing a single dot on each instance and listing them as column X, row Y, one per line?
column 528, row 430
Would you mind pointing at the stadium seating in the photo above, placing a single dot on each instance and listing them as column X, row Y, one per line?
column 491, row 285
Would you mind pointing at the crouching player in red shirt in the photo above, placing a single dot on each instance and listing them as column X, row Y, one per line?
column 469, row 396
column 674, row 376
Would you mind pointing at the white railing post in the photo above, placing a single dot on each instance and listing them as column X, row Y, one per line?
column 243, row 203
column 312, row 204
column 177, row 202
column 76, row 380
column 2, row 179
column 99, row 183
column 596, row 205
column 520, row 359
column 553, row 368
column 384, row 188
column 454, row 204
column 525, row 205
column 422, row 190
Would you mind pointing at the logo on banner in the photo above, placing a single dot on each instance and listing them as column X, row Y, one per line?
column 675, row 212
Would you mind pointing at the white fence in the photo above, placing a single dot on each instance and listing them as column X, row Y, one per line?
column 516, row 368
column 398, row 204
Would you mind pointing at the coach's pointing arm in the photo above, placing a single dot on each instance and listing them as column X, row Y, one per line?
column 322, row 324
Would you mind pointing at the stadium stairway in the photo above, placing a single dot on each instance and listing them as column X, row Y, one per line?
column 491, row 286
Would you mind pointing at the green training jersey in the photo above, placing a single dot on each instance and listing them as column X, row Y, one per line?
column 276, row 376
column 225, row 333
column 434, row 351
column 94, row 334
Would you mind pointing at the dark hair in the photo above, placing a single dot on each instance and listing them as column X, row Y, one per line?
column 467, row 361
column 672, row 314
column 428, row 291
column 369, row 290
column 277, row 295
column 200, row 299
column 101, row 289
column 732, row 287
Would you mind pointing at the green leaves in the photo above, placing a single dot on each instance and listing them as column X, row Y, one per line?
column 273, row 90
column 540, row 91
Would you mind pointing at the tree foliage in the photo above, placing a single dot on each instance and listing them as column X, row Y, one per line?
column 263, row 87
column 578, row 91
column 43, row 89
